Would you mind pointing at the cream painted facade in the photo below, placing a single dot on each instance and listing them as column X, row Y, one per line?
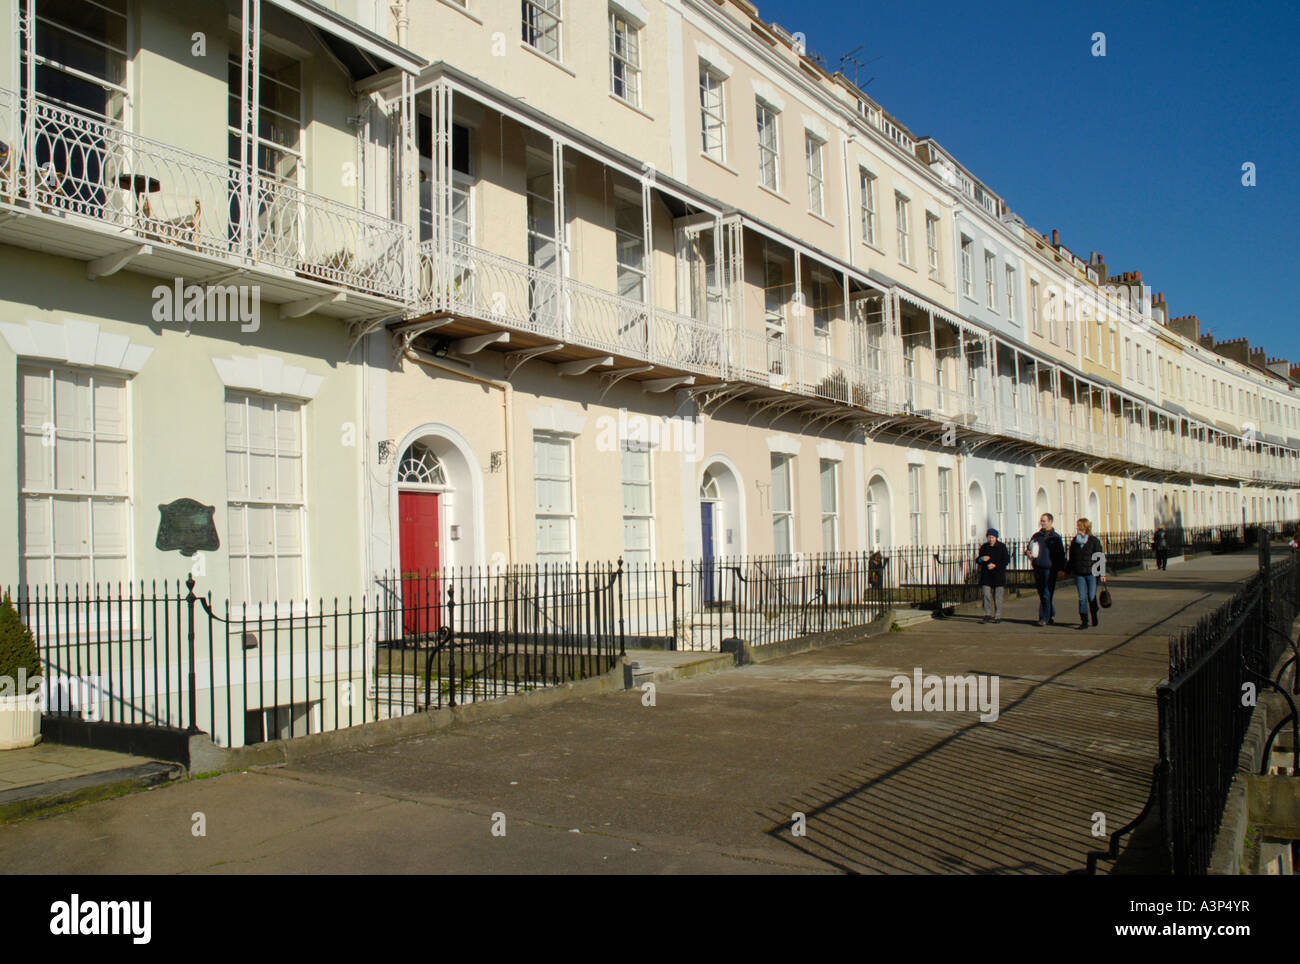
column 158, row 346
column 496, row 255
column 821, row 258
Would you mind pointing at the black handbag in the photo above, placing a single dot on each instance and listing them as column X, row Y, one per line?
column 1103, row 598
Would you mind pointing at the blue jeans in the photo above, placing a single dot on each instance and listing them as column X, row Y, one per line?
column 1087, row 586
column 1045, row 580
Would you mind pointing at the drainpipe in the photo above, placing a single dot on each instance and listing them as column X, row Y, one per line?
column 848, row 197
column 403, row 19
column 507, row 391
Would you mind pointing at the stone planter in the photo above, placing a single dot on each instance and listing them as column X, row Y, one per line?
column 20, row 722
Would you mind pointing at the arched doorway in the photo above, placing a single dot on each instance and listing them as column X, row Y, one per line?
column 1040, row 504
column 880, row 513
column 437, row 518
column 1094, row 510
column 721, row 522
column 1133, row 523
column 976, row 511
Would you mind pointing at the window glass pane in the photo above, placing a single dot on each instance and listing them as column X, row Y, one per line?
column 828, row 486
column 780, row 483
column 71, row 526
column 72, row 463
column 108, row 521
column 88, row 37
column 781, row 541
column 37, row 466
column 636, row 499
column 37, row 537
column 636, row 465
column 636, row 534
column 110, row 465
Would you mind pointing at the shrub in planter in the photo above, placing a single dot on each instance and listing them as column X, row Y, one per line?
column 20, row 713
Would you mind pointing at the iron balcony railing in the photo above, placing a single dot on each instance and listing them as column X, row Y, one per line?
column 774, row 362
column 488, row 286
column 72, row 164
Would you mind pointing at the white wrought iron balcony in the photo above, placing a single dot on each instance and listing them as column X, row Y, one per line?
column 81, row 168
column 774, row 362
column 481, row 284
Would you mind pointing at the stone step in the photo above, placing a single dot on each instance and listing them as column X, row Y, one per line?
column 912, row 617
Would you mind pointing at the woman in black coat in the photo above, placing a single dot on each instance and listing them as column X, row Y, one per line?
column 992, row 560
column 1086, row 564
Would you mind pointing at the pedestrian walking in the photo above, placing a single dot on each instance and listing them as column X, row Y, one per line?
column 1086, row 563
column 993, row 559
column 875, row 570
column 1160, row 545
column 1046, row 554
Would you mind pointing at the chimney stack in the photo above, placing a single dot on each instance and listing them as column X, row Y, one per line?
column 1238, row 349
column 1056, row 238
column 1189, row 326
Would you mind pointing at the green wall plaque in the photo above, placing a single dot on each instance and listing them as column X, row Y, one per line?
column 186, row 525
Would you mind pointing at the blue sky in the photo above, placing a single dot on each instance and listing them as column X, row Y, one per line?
column 1137, row 154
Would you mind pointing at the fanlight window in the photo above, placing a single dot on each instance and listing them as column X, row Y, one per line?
column 709, row 490
column 421, row 466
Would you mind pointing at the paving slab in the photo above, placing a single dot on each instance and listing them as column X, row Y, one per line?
column 51, row 761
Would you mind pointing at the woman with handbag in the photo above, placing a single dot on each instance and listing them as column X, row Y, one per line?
column 1086, row 564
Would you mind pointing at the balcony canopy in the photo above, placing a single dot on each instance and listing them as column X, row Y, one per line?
column 363, row 52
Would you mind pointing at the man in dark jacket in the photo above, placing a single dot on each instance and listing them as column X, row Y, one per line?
column 992, row 561
column 1046, row 554
column 1160, row 543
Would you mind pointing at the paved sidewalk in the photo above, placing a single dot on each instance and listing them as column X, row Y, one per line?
column 48, row 762
column 708, row 778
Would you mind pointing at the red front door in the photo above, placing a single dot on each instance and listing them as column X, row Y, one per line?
column 418, row 532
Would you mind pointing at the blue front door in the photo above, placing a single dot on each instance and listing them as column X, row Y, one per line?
column 706, row 532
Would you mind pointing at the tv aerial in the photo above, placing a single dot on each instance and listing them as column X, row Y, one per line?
column 853, row 58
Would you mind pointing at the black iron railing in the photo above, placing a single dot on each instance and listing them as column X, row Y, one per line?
column 159, row 655
column 162, row 655
column 1217, row 670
